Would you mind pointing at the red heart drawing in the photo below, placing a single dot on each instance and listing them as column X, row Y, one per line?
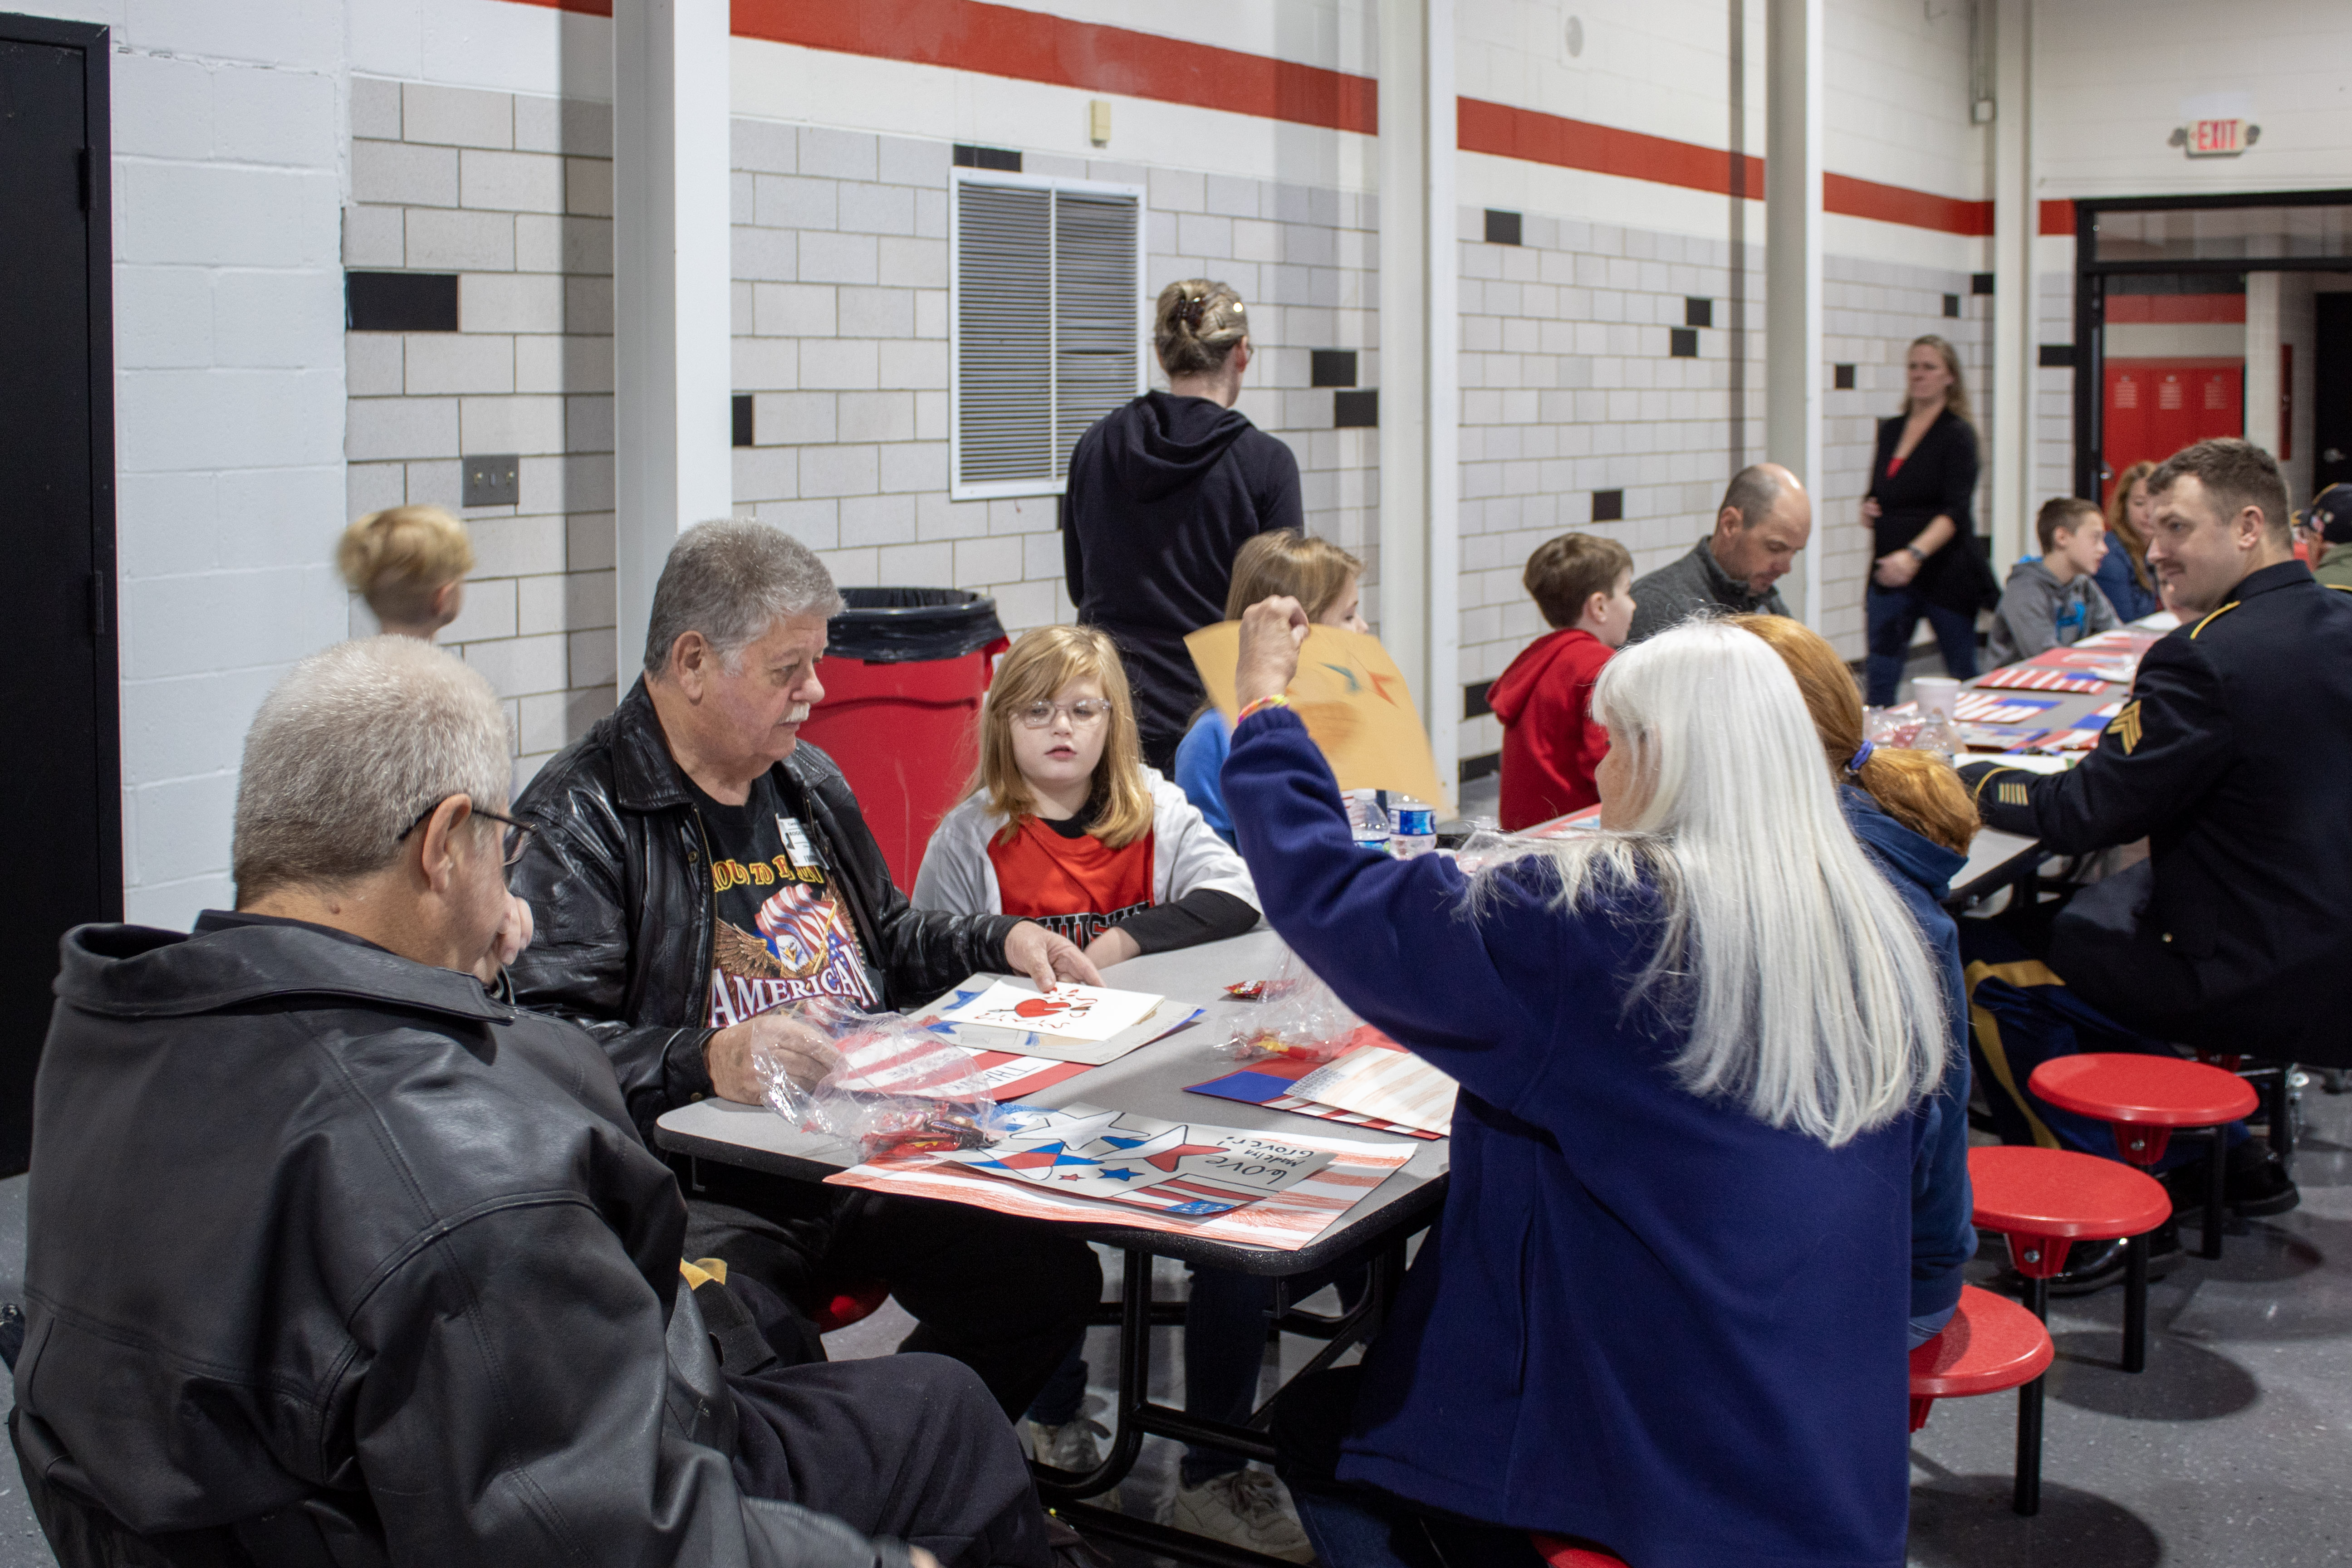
column 1039, row 1006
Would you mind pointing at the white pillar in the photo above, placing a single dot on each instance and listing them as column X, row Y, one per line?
column 2262, row 337
column 1793, row 263
column 1421, row 399
column 2009, row 500
column 673, row 460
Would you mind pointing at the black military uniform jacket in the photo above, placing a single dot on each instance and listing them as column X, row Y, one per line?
column 2231, row 757
column 621, row 896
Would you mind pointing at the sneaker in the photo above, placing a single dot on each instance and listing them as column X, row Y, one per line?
column 1070, row 1446
column 1248, row 1509
column 2255, row 1184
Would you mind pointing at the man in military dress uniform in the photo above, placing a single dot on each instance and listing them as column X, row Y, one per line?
column 2230, row 758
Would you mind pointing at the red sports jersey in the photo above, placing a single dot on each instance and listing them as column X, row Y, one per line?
column 1075, row 887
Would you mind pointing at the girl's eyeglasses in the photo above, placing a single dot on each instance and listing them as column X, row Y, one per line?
column 1086, row 713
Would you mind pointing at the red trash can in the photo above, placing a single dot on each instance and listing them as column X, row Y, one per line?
column 904, row 673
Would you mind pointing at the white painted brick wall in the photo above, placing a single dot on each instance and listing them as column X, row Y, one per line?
column 512, row 192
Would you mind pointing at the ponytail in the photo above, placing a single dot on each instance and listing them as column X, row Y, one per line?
column 1922, row 792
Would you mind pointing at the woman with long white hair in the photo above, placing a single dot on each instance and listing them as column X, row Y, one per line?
column 1665, row 1308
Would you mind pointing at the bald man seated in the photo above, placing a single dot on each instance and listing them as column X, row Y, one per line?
column 1765, row 519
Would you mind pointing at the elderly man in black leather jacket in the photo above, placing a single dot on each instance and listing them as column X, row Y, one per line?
column 334, row 1259
column 696, row 869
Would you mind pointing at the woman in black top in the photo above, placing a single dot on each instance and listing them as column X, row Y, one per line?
column 1161, row 494
column 1922, row 480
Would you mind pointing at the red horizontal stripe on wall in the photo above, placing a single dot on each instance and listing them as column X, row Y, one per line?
column 2058, row 218
column 1503, row 131
column 1030, row 46
column 2174, row 308
column 1852, row 198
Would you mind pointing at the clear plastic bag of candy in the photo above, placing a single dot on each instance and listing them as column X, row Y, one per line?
column 1296, row 1015
column 893, row 1087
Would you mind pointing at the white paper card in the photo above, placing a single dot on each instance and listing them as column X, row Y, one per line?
column 1070, row 1012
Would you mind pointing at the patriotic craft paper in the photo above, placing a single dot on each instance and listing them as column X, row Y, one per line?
column 1178, row 1168
column 1976, row 707
column 1073, row 1012
column 1010, row 1077
column 1285, row 1222
column 1998, row 736
column 2026, row 677
column 1394, row 1085
column 1271, row 1083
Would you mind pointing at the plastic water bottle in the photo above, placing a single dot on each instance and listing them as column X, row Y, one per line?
column 1938, row 736
column 1416, row 830
column 1367, row 821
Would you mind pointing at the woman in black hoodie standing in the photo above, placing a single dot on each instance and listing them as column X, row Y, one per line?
column 1161, row 494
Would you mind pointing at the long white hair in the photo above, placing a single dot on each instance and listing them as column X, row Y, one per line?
column 1811, row 996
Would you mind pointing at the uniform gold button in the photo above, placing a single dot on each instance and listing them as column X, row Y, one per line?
column 2167, row 937
column 698, row 1096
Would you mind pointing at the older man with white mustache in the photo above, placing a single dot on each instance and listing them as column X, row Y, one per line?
column 698, row 874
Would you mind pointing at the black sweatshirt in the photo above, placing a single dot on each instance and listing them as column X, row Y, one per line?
column 1161, row 494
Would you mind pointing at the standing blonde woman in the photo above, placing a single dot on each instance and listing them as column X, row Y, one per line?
column 1922, row 481
column 1161, row 494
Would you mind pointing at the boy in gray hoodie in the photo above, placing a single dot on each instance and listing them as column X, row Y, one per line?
column 2052, row 602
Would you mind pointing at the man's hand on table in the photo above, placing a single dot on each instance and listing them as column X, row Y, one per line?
column 1049, row 960
column 732, row 1055
column 1272, row 630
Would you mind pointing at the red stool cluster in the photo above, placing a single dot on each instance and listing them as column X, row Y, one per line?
column 1992, row 1344
column 2147, row 1100
column 2042, row 1201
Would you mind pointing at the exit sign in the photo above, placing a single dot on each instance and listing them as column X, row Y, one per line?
column 2217, row 138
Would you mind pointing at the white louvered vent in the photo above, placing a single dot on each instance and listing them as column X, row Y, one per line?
column 1047, row 317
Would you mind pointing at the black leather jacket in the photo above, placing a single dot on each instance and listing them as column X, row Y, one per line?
column 620, row 893
column 332, row 1258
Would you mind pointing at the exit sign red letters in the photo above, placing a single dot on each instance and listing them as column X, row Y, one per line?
column 2217, row 138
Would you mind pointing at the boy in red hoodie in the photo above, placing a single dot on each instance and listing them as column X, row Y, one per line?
column 1550, row 745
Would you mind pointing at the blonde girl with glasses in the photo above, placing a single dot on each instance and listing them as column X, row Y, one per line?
column 1066, row 826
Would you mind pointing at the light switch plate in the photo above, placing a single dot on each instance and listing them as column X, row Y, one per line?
column 493, row 481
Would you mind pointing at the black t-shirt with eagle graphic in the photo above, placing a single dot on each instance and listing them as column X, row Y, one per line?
column 782, row 932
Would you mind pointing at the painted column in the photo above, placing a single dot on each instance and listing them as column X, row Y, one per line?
column 1792, row 262
column 672, row 349
column 1419, row 334
column 2008, row 500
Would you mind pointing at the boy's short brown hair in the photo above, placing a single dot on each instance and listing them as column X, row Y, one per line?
column 2062, row 512
column 1564, row 574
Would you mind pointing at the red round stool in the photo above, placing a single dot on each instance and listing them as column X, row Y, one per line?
column 1558, row 1553
column 1992, row 1344
column 850, row 1303
column 2042, row 1201
column 2147, row 1099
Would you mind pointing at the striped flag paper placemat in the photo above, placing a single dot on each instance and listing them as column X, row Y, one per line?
column 1980, row 707
column 2026, row 677
column 1284, row 1220
column 1270, row 1082
column 1394, row 1085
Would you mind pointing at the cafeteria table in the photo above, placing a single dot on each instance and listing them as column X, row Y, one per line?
column 1150, row 1081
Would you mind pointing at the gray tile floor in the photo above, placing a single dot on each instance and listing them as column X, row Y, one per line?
column 2232, row 1450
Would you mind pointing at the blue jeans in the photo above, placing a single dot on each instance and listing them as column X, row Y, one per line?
column 1893, row 614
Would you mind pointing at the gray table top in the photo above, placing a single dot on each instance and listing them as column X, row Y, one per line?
column 1149, row 1082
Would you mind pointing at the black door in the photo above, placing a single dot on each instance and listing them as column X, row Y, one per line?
column 60, row 791
column 2331, row 393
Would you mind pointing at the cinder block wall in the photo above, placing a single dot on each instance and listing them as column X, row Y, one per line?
column 514, row 193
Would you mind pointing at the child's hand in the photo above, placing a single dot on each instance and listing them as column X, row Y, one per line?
column 1048, row 960
column 1272, row 630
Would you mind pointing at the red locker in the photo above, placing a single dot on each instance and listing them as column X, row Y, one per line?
column 2153, row 408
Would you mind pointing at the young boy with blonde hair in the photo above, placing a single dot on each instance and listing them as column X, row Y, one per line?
column 410, row 564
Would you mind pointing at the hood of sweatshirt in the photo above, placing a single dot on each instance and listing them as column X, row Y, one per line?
column 1509, row 694
column 2040, row 575
column 1160, row 443
column 1922, row 859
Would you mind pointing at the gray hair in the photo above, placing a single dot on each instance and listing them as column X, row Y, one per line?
column 731, row 580
column 351, row 748
column 1754, row 491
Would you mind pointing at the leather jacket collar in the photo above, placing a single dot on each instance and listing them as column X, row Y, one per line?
column 131, row 971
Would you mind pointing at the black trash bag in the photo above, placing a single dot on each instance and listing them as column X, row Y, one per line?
column 902, row 625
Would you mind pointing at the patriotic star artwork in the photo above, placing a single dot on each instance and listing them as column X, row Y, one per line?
column 1176, row 1168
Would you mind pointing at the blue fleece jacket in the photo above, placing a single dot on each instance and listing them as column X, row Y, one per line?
column 1942, row 1239
column 1646, row 1317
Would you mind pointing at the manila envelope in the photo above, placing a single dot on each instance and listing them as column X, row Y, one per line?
column 1353, row 701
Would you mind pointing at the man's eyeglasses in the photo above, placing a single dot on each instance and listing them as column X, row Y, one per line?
column 517, row 835
column 1086, row 713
